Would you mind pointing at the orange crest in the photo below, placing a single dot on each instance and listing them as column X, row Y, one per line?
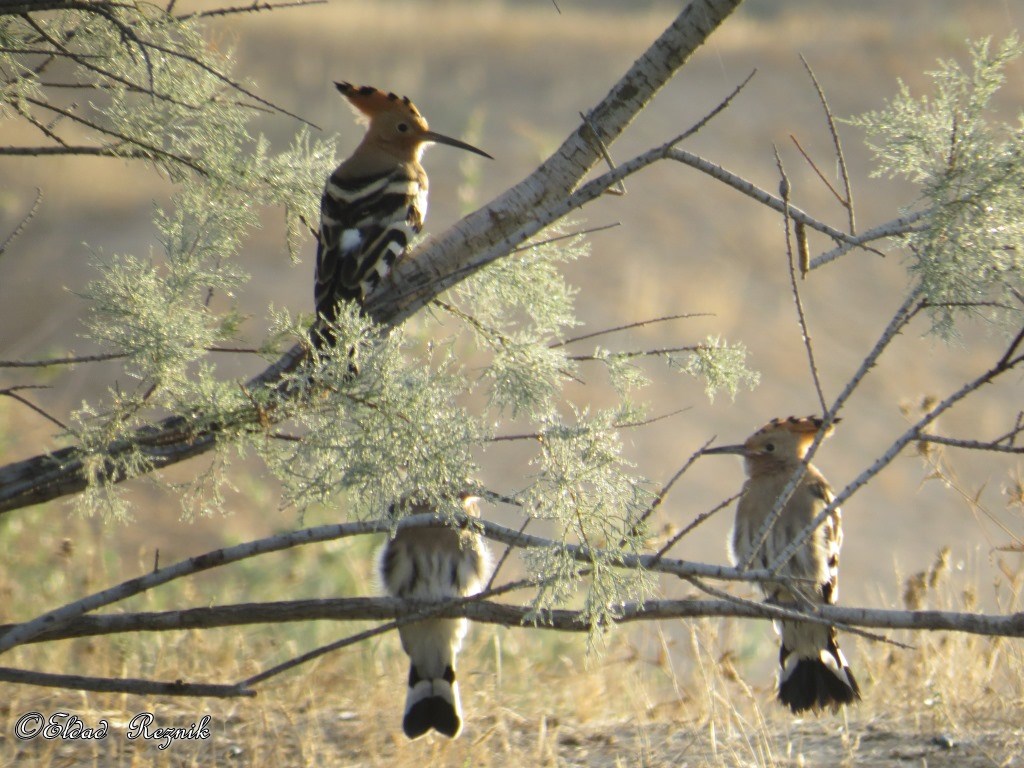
column 800, row 425
column 803, row 428
column 368, row 101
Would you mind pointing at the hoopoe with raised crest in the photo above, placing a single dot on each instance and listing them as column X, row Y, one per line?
column 433, row 564
column 374, row 202
column 813, row 672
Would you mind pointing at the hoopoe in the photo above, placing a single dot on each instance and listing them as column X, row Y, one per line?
column 813, row 672
column 374, row 202
column 433, row 564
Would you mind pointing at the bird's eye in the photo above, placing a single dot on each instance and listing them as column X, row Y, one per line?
column 770, row 447
column 403, row 127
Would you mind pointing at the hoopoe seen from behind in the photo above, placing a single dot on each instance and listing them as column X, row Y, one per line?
column 432, row 564
column 813, row 672
column 373, row 203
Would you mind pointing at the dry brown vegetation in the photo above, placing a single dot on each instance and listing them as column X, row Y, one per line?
column 681, row 694
column 693, row 693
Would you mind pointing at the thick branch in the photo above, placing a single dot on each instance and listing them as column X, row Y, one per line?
column 508, row 220
column 382, row 608
column 61, row 473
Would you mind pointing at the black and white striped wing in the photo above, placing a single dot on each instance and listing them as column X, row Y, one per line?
column 365, row 226
column 813, row 672
column 831, row 533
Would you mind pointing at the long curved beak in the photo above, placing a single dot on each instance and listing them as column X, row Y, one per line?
column 440, row 138
column 738, row 450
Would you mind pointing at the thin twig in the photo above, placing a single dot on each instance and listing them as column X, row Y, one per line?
column 152, row 148
column 816, row 170
column 108, row 150
column 1012, row 349
column 566, row 236
column 471, row 268
column 122, row 684
column 660, row 496
column 504, row 557
column 322, row 650
column 676, row 538
column 53, row 361
column 47, row 52
column 618, row 189
column 255, row 7
column 975, row 445
column 632, row 353
column 805, row 608
column 489, row 333
column 228, row 81
column 237, row 350
column 629, row 326
column 844, row 173
column 784, row 190
column 11, row 393
column 16, row 232
column 621, row 425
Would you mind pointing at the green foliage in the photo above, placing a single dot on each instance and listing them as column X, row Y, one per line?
column 392, row 431
column 417, row 420
column 515, row 308
column 583, row 484
column 969, row 256
column 722, row 366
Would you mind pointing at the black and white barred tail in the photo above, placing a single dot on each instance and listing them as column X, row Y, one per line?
column 814, row 680
column 432, row 703
column 429, row 564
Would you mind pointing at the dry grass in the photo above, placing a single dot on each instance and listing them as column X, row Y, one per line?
column 678, row 693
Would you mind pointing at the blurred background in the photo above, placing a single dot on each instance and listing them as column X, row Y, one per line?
column 517, row 74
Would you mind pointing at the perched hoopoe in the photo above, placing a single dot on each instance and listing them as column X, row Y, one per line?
column 814, row 673
column 374, row 202
column 433, row 564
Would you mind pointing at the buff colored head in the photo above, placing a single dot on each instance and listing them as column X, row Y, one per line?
column 780, row 441
column 394, row 125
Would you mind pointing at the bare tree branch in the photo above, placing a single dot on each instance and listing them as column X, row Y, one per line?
column 901, row 226
column 629, row 326
column 121, row 684
column 16, row 232
column 784, row 190
column 12, row 393
column 255, row 7
column 486, row 612
column 52, row 361
column 975, row 445
column 845, row 200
